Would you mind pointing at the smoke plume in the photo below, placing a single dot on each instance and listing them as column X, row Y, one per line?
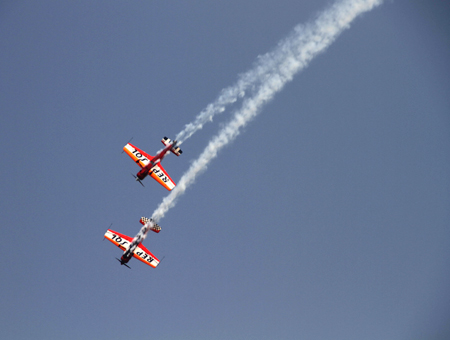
column 269, row 75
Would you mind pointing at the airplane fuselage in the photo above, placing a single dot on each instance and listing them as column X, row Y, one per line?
column 154, row 161
column 132, row 247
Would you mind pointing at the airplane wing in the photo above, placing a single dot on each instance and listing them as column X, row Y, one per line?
column 162, row 177
column 120, row 240
column 144, row 255
column 137, row 155
column 123, row 242
column 142, row 159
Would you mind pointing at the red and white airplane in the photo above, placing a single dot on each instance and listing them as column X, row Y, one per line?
column 152, row 165
column 134, row 249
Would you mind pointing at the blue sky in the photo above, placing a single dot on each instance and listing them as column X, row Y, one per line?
column 327, row 218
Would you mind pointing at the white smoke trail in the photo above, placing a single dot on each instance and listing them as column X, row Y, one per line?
column 276, row 69
column 139, row 238
column 301, row 46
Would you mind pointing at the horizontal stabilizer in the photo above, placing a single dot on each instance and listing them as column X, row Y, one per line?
column 156, row 228
column 175, row 149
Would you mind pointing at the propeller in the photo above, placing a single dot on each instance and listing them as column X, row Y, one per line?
column 137, row 179
column 128, row 142
column 123, row 264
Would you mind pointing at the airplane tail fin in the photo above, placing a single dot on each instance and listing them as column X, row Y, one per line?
column 156, row 228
